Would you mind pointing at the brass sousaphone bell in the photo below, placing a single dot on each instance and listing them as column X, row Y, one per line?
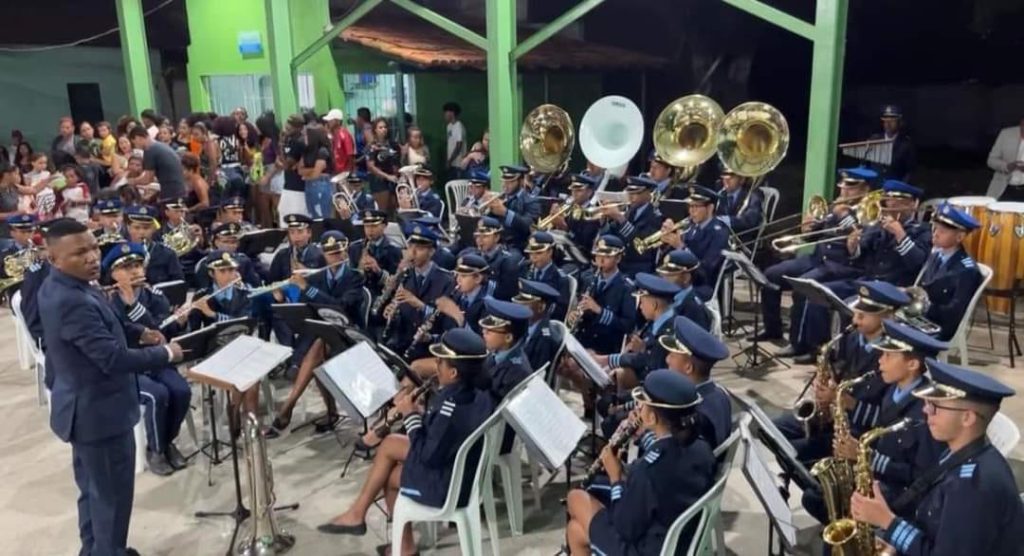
column 547, row 139
column 685, row 134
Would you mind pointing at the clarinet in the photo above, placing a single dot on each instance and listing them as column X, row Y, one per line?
column 619, row 439
column 573, row 320
column 383, row 426
column 392, row 307
column 422, row 331
column 390, row 287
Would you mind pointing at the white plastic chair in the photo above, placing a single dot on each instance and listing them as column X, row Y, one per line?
column 928, row 206
column 573, row 288
column 510, row 467
column 958, row 343
column 716, row 318
column 466, row 518
column 1003, row 433
column 725, row 453
column 454, row 192
column 702, row 509
column 21, row 335
column 560, row 331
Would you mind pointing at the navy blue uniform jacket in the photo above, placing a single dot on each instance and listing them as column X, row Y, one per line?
column 603, row 332
column 883, row 258
column 163, row 264
column 640, row 222
column 950, row 285
column 95, row 393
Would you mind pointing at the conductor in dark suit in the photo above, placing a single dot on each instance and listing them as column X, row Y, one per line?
column 95, row 394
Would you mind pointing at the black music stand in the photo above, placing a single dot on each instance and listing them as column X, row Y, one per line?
column 676, row 209
column 260, row 241
column 818, row 294
column 175, row 291
column 757, row 357
column 467, row 229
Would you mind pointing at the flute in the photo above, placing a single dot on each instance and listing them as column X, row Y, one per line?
column 188, row 308
column 307, row 272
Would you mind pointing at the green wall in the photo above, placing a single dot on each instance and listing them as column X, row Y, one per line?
column 213, row 48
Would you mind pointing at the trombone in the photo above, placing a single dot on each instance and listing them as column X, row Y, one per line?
column 869, row 212
column 643, row 244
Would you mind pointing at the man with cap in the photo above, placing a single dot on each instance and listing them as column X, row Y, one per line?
column 503, row 262
column 421, row 285
column 300, row 253
column 376, row 255
column 419, row 463
column 465, row 307
column 427, row 200
column 640, row 220
column 673, row 472
column 678, row 267
column 541, row 268
column 504, row 331
column 740, row 205
column 950, row 276
column 443, row 255
column 224, row 237
column 163, row 391
column 540, row 345
column 706, row 236
column 967, row 503
column 110, row 217
column 21, row 228
column 515, row 209
column 163, row 264
column 175, row 211
column 232, row 209
column 642, row 352
column 606, row 310
column 904, row 154
column 476, row 195
column 828, row 261
column 900, row 456
column 661, row 172
column 581, row 229
column 853, row 357
column 231, row 303
column 343, row 147
column 355, row 184
column 893, row 251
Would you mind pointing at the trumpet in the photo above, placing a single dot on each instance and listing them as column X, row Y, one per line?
column 547, row 222
column 188, row 308
column 643, row 244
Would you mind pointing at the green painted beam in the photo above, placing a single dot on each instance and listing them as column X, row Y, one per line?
column 826, row 95
column 355, row 15
column 555, row 26
column 452, row 27
column 779, row 17
column 502, row 91
column 135, row 51
column 279, row 50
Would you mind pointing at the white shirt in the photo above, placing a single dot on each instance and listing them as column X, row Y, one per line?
column 456, row 133
column 1017, row 176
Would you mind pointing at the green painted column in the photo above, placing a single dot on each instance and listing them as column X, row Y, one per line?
column 308, row 19
column 826, row 95
column 279, row 49
column 135, row 51
column 502, row 91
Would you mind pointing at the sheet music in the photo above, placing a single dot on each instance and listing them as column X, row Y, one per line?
column 763, row 481
column 545, row 423
column 243, row 362
column 362, row 377
column 596, row 372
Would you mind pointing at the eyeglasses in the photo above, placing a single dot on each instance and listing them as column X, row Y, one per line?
column 931, row 408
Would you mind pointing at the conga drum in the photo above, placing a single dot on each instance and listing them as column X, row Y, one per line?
column 1002, row 243
column 975, row 206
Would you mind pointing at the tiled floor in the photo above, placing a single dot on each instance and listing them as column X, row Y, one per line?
column 37, row 496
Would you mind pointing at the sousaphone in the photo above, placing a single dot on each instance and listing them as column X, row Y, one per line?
column 753, row 139
column 685, row 134
column 611, row 132
column 546, row 139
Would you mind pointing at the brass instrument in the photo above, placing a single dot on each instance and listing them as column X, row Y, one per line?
column 109, row 237
column 643, row 244
column 846, row 536
column 869, row 213
column 914, row 312
column 611, row 132
column 620, row 438
column 806, row 409
column 265, row 537
column 188, row 308
column 547, row 138
column 383, row 426
column 753, row 139
column 180, row 239
column 17, row 264
column 344, row 200
column 685, row 133
column 548, row 221
column 403, row 189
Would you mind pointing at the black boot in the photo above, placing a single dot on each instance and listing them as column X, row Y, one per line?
column 158, row 464
column 175, row 458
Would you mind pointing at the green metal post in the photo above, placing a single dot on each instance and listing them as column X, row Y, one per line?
column 559, row 23
column 502, row 92
column 279, row 49
column 452, row 27
column 826, row 94
column 354, row 16
column 135, row 51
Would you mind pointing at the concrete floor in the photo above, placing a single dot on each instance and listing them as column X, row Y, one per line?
column 37, row 496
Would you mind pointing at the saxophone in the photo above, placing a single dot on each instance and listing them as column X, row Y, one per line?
column 846, row 536
column 265, row 537
column 572, row 322
column 806, row 410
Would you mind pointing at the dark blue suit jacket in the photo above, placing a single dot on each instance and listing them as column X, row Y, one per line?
column 751, row 216
column 882, row 258
column 640, row 222
column 95, row 391
column 707, row 243
column 523, row 212
column 604, row 332
column 163, row 265
column 950, row 286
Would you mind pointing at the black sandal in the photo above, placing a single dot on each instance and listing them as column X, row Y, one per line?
column 276, row 428
column 326, row 424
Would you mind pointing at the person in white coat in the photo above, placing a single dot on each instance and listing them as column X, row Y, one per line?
column 1006, row 159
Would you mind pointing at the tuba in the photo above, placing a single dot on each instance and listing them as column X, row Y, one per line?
column 265, row 537
column 753, row 139
column 546, row 139
column 611, row 132
column 685, row 133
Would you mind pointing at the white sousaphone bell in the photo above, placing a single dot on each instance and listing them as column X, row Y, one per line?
column 611, row 132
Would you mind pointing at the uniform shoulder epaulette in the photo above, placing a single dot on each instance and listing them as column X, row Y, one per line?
column 968, row 262
column 967, row 470
column 652, row 456
column 545, row 331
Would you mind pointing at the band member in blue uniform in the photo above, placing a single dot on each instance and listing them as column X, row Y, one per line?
column 607, row 309
column 21, row 228
column 419, row 464
column 829, row 261
column 950, row 276
column 224, row 237
column 375, row 255
column 95, row 396
column 739, row 205
column 355, row 185
column 163, row 264
column 640, row 220
column 175, row 211
column 465, row 307
column 164, row 392
column 230, row 303
column 515, row 209
column 34, row 277
column 966, row 504
column 503, row 261
column 300, row 253
column 678, row 267
column 673, row 473
column 706, row 237
column 110, row 217
column 904, row 154
column 231, row 210
column 643, row 353
column 541, row 268
column 476, row 196
column 427, row 200
column 422, row 283
column 581, row 228
column 892, row 251
column 541, row 344
column 662, row 173
column 443, row 255
column 505, row 328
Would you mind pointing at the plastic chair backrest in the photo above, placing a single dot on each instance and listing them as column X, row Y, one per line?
column 573, row 287
column 730, row 443
column 771, row 202
column 701, row 509
column 965, row 320
column 16, row 305
column 1003, row 433
column 560, row 333
column 367, row 303
column 454, row 192
column 485, row 435
column 440, row 215
column 928, row 205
